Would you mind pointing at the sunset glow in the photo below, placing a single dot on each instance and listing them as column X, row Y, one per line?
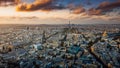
column 48, row 11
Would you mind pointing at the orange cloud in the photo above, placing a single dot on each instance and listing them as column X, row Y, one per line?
column 17, row 1
column 107, row 5
column 103, row 8
column 78, row 10
column 38, row 4
column 103, row 4
column 93, row 11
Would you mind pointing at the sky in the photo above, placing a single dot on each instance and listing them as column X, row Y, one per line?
column 60, row 11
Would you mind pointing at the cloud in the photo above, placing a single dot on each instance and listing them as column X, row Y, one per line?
column 107, row 6
column 94, row 11
column 17, row 1
column 11, row 1
column 103, row 4
column 34, row 6
column 104, row 7
column 78, row 10
column 6, row 2
column 101, row 9
column 49, row 5
column 39, row 5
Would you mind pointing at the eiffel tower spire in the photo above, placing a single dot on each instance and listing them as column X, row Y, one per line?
column 69, row 25
column 43, row 37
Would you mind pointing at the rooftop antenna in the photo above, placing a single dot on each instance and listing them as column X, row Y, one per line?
column 69, row 25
